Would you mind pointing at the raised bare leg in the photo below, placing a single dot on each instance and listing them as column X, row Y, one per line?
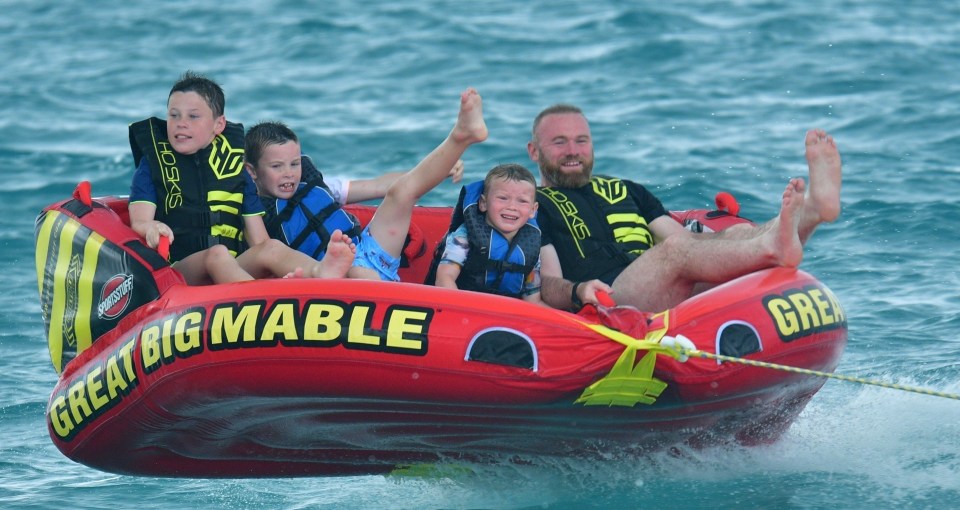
column 822, row 203
column 391, row 222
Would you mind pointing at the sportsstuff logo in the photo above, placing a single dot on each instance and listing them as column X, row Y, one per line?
column 115, row 296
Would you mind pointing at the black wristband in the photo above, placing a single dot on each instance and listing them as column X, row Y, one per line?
column 573, row 296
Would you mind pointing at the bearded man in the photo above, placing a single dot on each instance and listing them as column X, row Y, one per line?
column 610, row 234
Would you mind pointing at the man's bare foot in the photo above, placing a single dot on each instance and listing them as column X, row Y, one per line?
column 470, row 127
column 822, row 204
column 337, row 259
column 787, row 248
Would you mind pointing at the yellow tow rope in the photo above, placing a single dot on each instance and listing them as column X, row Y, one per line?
column 694, row 353
column 629, row 383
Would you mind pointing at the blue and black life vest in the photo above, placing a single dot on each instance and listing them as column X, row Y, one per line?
column 200, row 195
column 494, row 264
column 306, row 220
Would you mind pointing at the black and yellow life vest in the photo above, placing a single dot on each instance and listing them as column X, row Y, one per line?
column 200, row 196
column 597, row 229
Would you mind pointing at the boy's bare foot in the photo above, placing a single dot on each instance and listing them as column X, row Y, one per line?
column 787, row 246
column 822, row 204
column 470, row 127
column 337, row 259
column 296, row 273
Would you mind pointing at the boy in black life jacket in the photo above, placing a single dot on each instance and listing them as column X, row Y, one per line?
column 304, row 213
column 190, row 187
column 497, row 248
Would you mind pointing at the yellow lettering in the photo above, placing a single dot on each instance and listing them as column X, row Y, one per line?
column 150, row 346
column 322, row 322
column 60, row 418
column 187, row 338
column 823, row 307
column 115, row 382
column 804, row 307
column 79, row 407
column 166, row 154
column 230, row 326
column 126, row 354
column 357, row 331
column 405, row 329
column 838, row 313
column 281, row 321
column 802, row 312
column 784, row 316
column 318, row 323
column 94, row 392
column 94, row 387
column 578, row 228
column 165, row 340
column 171, row 175
column 172, row 337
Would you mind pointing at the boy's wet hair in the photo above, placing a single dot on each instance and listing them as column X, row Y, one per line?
column 206, row 88
column 509, row 172
column 266, row 133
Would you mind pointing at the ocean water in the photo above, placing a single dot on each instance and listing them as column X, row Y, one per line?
column 687, row 97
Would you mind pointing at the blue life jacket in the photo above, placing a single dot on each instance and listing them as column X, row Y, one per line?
column 306, row 220
column 494, row 264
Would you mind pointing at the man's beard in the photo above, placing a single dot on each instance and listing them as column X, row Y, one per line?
column 558, row 178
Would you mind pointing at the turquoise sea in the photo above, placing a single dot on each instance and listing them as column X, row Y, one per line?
column 688, row 97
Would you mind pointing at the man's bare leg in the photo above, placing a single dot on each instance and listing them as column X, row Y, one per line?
column 822, row 203
column 784, row 238
column 674, row 270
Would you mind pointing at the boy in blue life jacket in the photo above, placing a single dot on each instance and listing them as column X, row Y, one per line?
column 303, row 210
column 497, row 247
column 190, row 187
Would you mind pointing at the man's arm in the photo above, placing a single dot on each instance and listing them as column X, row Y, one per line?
column 554, row 290
column 557, row 291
